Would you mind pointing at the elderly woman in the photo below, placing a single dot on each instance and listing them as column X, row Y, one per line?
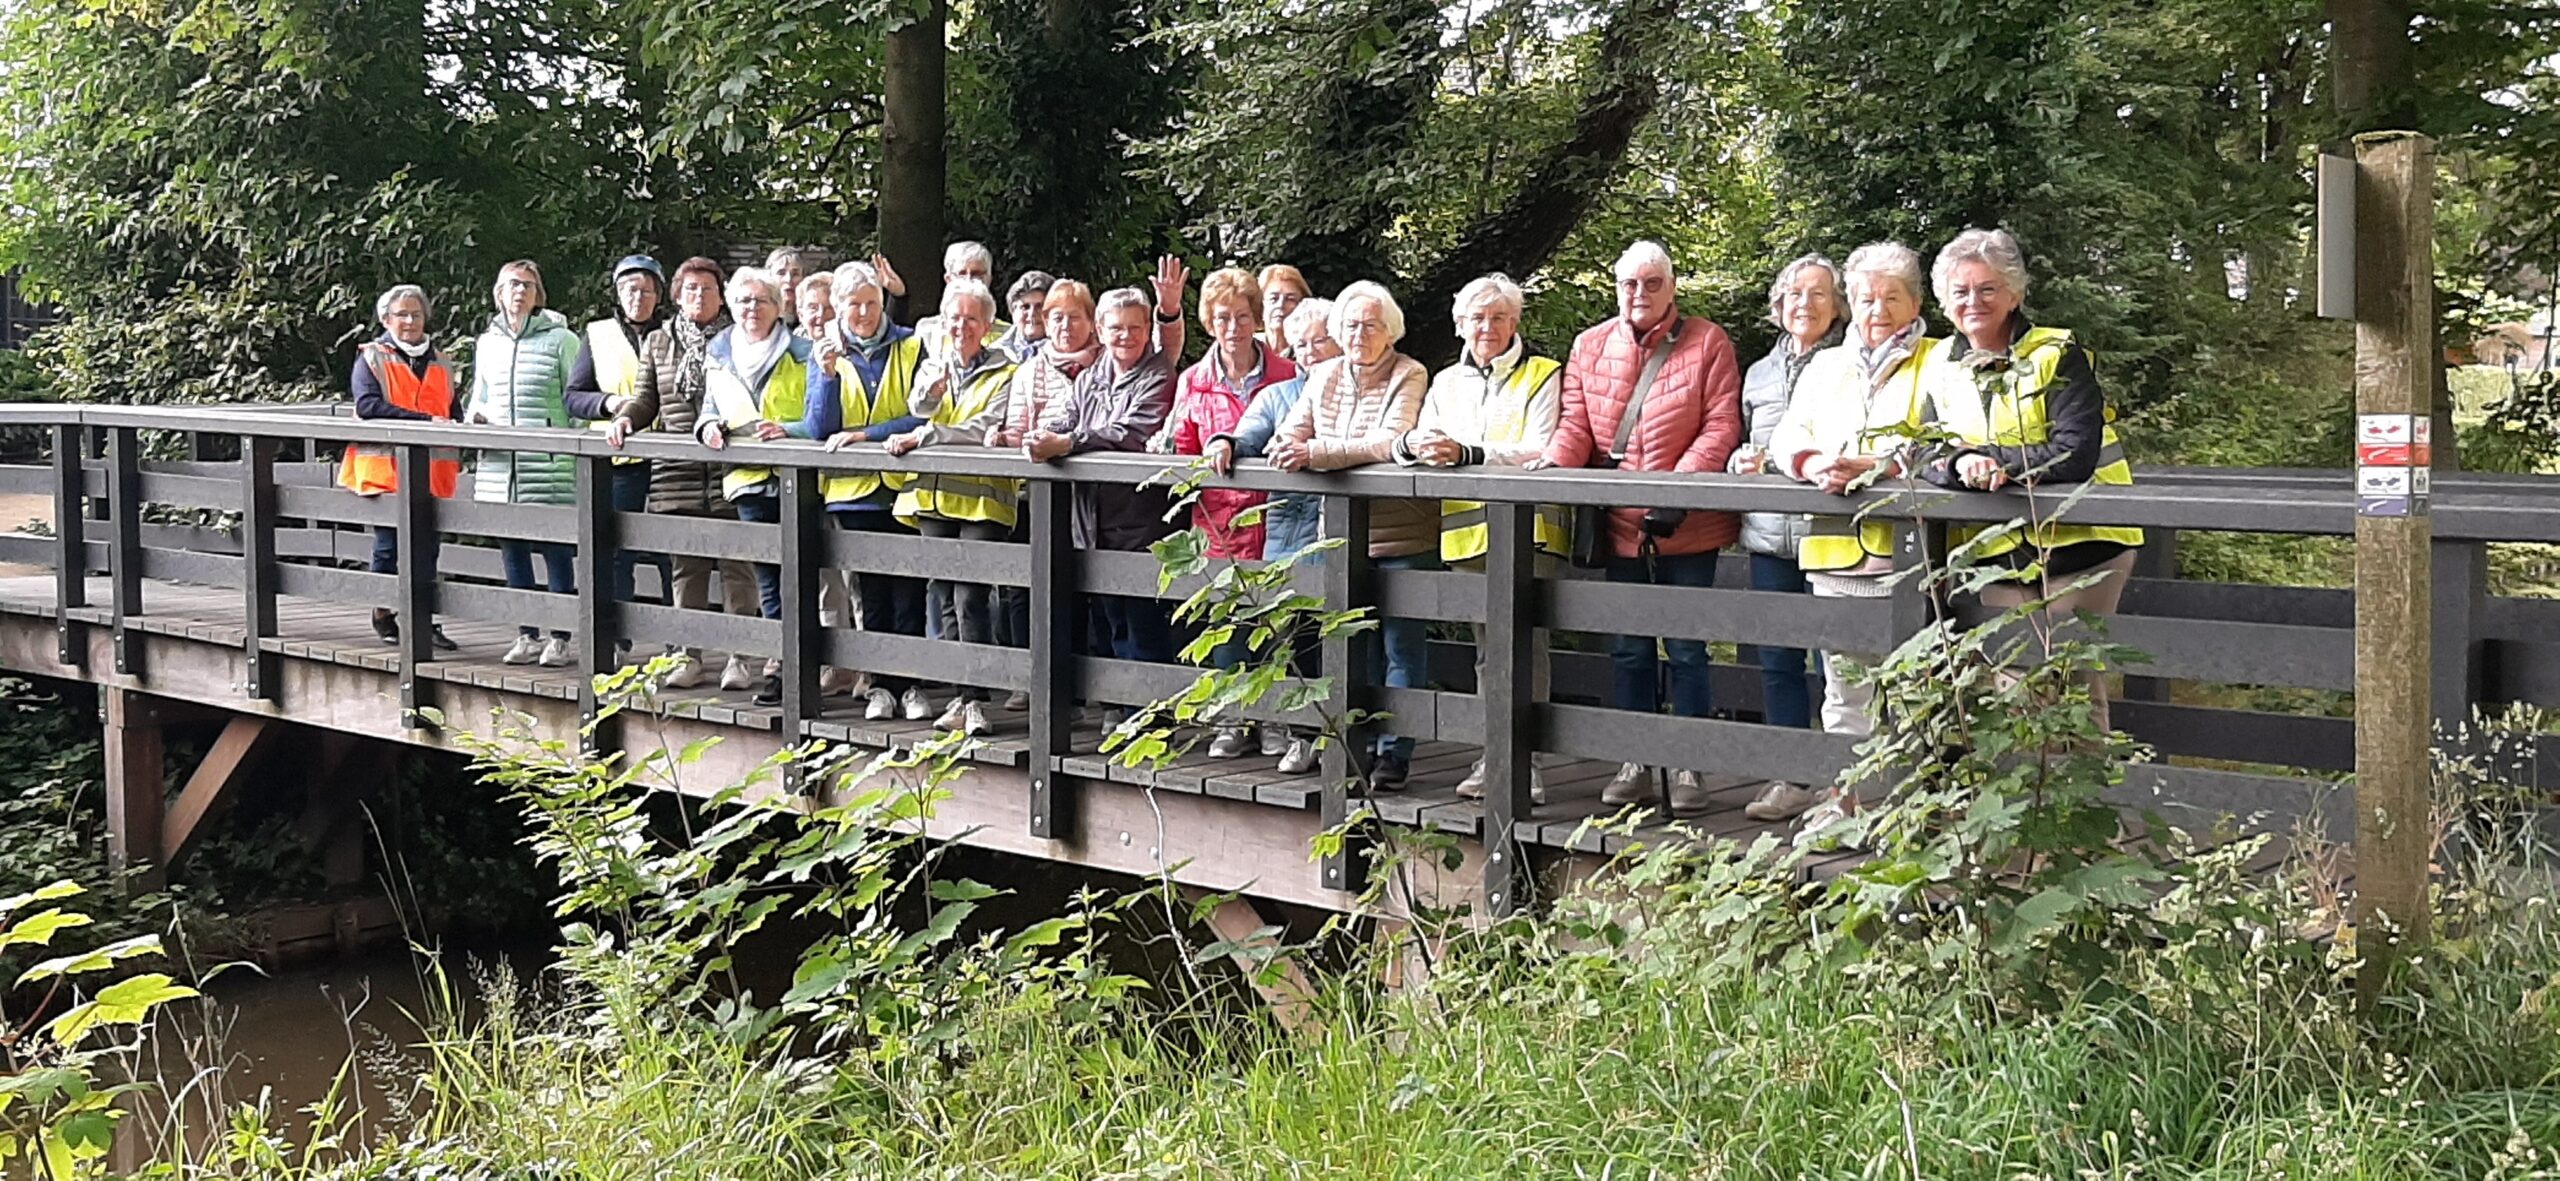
column 1805, row 304
column 960, row 260
column 400, row 378
column 1119, row 403
column 1214, row 396
column 1847, row 426
column 1289, row 520
column 1283, row 289
column 813, row 301
column 1355, row 409
column 1496, row 407
column 668, row 396
column 2025, row 405
column 607, row 378
column 756, row 384
column 965, row 397
column 788, row 265
column 520, row 377
column 1028, row 298
column 869, row 370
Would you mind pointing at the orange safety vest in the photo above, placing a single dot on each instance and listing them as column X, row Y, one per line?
column 370, row 469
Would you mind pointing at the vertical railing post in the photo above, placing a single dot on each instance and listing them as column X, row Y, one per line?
column 71, row 540
column 258, row 564
column 1915, row 601
column 2157, row 559
column 598, row 623
column 804, row 650
column 2459, row 583
column 124, row 549
column 1508, row 693
column 1056, row 620
column 1350, row 582
column 416, row 504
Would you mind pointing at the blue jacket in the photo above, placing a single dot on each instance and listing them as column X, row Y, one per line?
column 1289, row 521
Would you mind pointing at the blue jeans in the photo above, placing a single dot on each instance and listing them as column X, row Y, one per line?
column 631, row 495
column 1786, row 693
column 1141, row 628
column 386, row 550
column 764, row 509
column 1408, row 649
column 1638, row 686
column 558, row 567
column 892, row 604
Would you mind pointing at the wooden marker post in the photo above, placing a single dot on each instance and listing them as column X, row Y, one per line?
column 2395, row 381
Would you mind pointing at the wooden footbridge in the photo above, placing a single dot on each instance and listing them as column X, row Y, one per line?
column 201, row 565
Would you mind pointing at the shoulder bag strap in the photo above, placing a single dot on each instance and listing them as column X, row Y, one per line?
column 1644, row 385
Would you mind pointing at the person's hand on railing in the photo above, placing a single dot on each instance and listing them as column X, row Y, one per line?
column 1041, row 446
column 1221, row 454
column 618, row 433
column 1750, row 459
column 767, row 430
column 1291, row 455
column 1980, row 471
column 713, row 433
column 843, row 439
column 904, row 442
column 1438, row 449
column 1836, row 475
column 1539, row 464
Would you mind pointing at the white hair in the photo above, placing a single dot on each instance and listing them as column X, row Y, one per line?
column 957, row 257
column 783, row 256
column 1886, row 260
column 1644, row 253
column 1390, row 314
column 853, row 277
column 1121, row 297
column 1308, row 314
column 1497, row 287
column 383, row 303
column 965, row 287
column 1786, row 282
column 746, row 277
column 1996, row 249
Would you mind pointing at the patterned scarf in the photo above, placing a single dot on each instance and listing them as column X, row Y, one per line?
column 1879, row 361
column 693, row 350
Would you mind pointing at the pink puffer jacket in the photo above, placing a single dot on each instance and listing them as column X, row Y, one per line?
column 1690, row 422
column 1206, row 408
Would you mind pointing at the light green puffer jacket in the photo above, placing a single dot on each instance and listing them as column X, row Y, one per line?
column 516, row 380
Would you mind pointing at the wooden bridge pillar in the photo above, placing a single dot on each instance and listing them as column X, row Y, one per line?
column 137, row 787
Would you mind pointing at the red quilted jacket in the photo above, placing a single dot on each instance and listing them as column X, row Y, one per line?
column 1690, row 423
column 1206, row 408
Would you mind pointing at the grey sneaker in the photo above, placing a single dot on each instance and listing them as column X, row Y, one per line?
column 835, row 682
column 1018, row 701
column 1815, row 833
column 1300, row 758
column 1688, row 795
column 953, row 714
column 1633, row 784
column 973, row 719
column 1781, row 800
column 557, row 654
column 1275, row 741
column 1472, row 787
column 689, row 673
column 1231, row 742
column 735, row 675
column 525, row 650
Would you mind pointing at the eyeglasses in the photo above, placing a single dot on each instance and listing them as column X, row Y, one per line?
column 1974, row 294
column 755, row 301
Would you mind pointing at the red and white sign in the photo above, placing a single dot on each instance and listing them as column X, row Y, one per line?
column 2392, row 440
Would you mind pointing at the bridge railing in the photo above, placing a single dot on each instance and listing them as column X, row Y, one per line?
column 270, row 528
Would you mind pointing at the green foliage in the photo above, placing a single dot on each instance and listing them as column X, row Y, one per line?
column 58, row 1108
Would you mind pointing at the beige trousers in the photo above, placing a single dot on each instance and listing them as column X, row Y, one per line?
column 2098, row 598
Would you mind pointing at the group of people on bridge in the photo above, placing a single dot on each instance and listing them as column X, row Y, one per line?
column 1857, row 379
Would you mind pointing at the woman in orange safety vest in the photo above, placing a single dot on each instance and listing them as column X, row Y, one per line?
column 398, row 375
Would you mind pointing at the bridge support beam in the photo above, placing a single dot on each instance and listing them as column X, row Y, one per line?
column 1274, row 973
column 210, row 788
column 137, row 788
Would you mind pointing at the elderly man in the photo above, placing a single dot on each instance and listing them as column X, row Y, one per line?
column 1651, row 390
column 1498, row 406
column 960, row 260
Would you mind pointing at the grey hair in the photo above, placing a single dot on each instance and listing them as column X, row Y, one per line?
column 1496, row 286
column 1644, row 252
column 968, row 288
column 383, row 303
column 1997, row 249
column 961, row 254
column 1390, row 313
column 1888, row 260
column 1122, row 297
column 853, row 277
column 1786, row 282
column 783, row 255
column 1307, row 314
column 746, row 277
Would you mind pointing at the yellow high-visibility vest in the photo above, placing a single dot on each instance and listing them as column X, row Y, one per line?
column 866, row 408
column 1845, row 543
column 1464, row 534
column 617, row 370
column 965, row 498
column 2015, row 417
column 785, row 399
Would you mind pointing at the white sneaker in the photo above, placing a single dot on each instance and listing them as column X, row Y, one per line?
column 1689, row 796
column 1300, row 758
column 1827, row 815
column 557, row 654
column 878, row 705
column 734, row 675
column 1472, row 787
column 525, row 650
column 1019, row 701
column 973, row 719
column 1781, row 801
column 914, row 706
column 1231, row 742
column 689, row 673
column 1633, row 784
column 1275, row 741
column 953, row 714
column 834, row 682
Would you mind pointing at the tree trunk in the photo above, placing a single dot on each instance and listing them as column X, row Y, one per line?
column 1523, row 233
column 911, row 153
column 2369, row 67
